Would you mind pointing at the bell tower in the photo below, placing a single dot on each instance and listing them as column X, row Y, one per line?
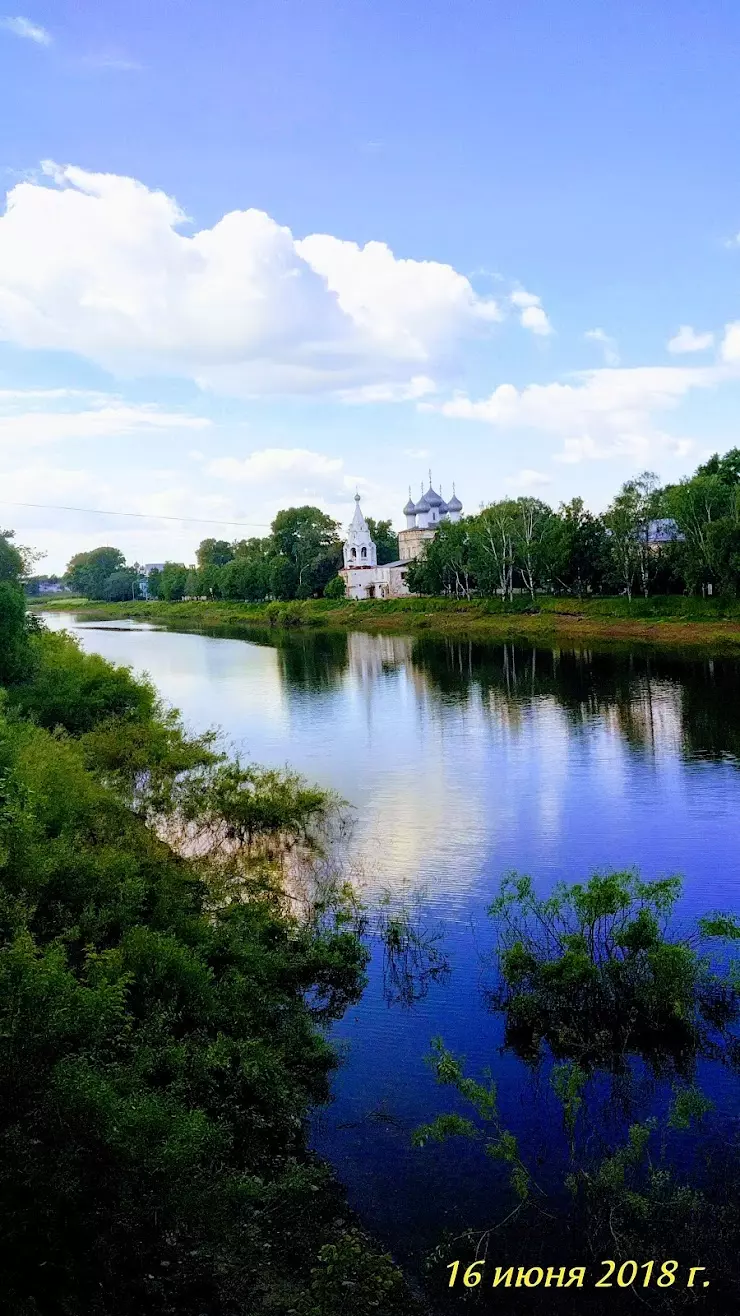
column 359, row 548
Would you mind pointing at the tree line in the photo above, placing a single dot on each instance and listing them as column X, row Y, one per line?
column 299, row 559
column 652, row 539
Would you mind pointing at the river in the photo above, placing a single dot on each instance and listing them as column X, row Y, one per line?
column 464, row 761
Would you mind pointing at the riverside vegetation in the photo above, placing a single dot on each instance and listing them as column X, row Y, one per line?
column 172, row 948
column 657, row 554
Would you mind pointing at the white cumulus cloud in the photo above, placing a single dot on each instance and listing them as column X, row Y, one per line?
column 688, row 340
column 603, row 413
column 731, row 342
column 23, row 27
column 33, row 418
column 293, row 471
column 531, row 313
column 98, row 264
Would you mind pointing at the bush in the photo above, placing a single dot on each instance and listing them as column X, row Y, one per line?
column 592, row 971
column 77, row 691
column 335, row 588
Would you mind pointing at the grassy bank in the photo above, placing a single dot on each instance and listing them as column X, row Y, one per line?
column 672, row 620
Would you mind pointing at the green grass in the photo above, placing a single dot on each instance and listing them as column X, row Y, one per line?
column 672, row 619
column 53, row 603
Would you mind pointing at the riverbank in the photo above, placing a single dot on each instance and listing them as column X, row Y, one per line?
column 671, row 620
column 164, row 1044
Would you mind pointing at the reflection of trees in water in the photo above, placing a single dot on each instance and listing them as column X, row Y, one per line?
column 313, row 662
column 413, row 958
column 654, row 699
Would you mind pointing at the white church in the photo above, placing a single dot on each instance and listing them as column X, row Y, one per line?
column 363, row 578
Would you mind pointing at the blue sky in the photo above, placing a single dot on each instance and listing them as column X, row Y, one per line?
column 291, row 248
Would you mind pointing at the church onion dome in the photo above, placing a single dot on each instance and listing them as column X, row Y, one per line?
column 454, row 504
column 422, row 505
column 443, row 509
column 433, row 497
column 409, row 509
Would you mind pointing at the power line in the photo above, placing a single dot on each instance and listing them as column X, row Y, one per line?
column 146, row 516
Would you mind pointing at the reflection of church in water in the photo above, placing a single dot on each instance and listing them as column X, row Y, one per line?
column 363, row 577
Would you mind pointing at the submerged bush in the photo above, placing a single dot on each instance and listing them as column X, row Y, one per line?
column 593, row 984
column 593, row 971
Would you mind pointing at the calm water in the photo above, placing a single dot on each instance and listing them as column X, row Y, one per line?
column 465, row 760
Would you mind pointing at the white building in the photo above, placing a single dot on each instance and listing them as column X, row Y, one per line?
column 363, row 578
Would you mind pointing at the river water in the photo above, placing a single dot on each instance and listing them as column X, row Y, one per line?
column 464, row 760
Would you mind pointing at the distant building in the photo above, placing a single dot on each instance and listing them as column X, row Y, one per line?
column 53, row 587
column 363, row 577
column 664, row 531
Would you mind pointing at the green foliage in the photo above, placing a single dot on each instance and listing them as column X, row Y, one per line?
column 87, row 573
column 307, row 538
column 689, row 1106
column 283, row 578
column 498, row 1142
column 172, row 581
column 122, row 584
column 214, row 553
column 335, row 589
column 591, row 971
column 11, row 558
column 384, row 538
column 77, row 691
column 351, row 1279
column 14, row 652
column 444, row 1127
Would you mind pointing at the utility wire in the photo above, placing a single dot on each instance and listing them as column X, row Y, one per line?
column 147, row 516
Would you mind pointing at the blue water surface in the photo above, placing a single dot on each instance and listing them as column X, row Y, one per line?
column 463, row 761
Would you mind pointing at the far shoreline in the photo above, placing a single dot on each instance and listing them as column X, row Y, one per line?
column 673, row 621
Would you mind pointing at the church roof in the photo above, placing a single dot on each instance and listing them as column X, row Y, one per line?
column 410, row 507
column 422, row 505
column 433, row 497
column 454, row 505
column 358, row 521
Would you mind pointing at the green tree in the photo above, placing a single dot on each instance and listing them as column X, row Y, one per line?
column 13, row 632
column 335, row 589
column 534, row 542
column 727, row 467
column 87, row 572
column 308, row 538
column 214, row 553
column 247, row 578
column 122, row 585
column 283, row 578
column 445, row 566
column 623, row 523
column 384, row 538
column 173, row 581
column 580, row 549
column 154, row 584
column 706, row 509
column 493, row 556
